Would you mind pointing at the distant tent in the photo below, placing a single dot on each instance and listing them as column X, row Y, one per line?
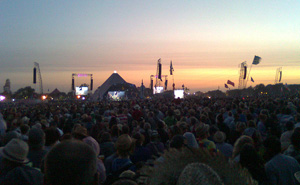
column 55, row 93
column 114, row 79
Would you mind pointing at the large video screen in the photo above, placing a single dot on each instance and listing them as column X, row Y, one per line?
column 82, row 91
column 178, row 94
column 157, row 90
column 116, row 95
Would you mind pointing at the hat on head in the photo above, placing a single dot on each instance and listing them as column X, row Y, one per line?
column 16, row 150
column 36, row 137
column 219, row 137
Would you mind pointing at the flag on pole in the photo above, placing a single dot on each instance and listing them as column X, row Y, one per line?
column 230, row 83
column 226, row 86
column 256, row 60
column 171, row 68
column 252, row 79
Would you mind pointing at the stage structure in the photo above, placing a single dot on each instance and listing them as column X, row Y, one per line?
column 278, row 75
column 160, row 84
column 243, row 75
column 37, row 73
column 82, row 90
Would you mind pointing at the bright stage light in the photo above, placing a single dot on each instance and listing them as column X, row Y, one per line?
column 44, row 97
column 2, row 98
column 78, row 97
column 115, row 71
column 83, row 98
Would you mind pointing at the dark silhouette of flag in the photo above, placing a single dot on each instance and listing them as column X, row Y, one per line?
column 226, row 86
column 252, row 79
column 230, row 83
column 171, row 68
column 256, row 60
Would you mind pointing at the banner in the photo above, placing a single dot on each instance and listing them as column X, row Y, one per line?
column 256, row 60
column 226, row 86
column 230, row 83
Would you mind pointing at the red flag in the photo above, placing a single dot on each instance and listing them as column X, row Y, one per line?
column 230, row 83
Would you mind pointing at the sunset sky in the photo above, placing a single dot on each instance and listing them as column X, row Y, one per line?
column 206, row 40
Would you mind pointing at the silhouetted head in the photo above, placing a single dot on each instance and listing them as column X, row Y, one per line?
column 71, row 162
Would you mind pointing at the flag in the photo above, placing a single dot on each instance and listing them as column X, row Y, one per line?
column 256, row 60
column 230, row 83
column 171, row 68
column 252, row 79
column 226, row 86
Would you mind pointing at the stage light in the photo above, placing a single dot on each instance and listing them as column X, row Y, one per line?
column 83, row 98
column 44, row 97
column 2, row 98
column 13, row 99
column 115, row 71
column 78, row 97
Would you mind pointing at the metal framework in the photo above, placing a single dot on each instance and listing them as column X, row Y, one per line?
column 243, row 73
column 278, row 75
column 82, row 75
column 159, row 81
column 40, row 82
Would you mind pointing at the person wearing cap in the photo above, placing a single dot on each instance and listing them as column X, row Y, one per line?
column 13, row 169
column 36, row 142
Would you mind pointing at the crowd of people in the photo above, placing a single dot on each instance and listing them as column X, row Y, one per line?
column 104, row 142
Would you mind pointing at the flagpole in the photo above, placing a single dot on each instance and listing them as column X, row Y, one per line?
column 248, row 75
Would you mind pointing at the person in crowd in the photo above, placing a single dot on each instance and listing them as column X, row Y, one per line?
column 71, row 162
column 155, row 146
column 250, row 159
column 13, row 168
column 24, row 132
column 280, row 168
column 36, row 142
column 225, row 148
column 294, row 148
column 202, row 133
column 141, row 153
column 52, row 137
column 124, row 146
column 106, row 145
column 191, row 140
column 238, row 145
column 100, row 166
column 170, row 120
column 285, row 137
